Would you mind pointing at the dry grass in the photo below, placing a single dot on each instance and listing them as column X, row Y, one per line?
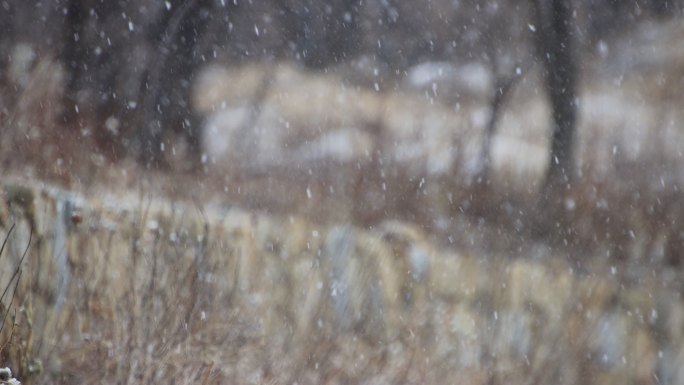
column 147, row 291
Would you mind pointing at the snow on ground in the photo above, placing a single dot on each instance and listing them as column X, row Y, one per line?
column 307, row 122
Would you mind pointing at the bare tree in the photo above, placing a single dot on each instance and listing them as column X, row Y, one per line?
column 321, row 33
column 74, row 54
column 166, row 88
column 502, row 88
column 502, row 40
column 554, row 43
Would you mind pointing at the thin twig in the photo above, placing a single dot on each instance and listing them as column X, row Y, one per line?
column 6, row 238
column 207, row 373
column 17, row 274
column 2, row 348
column 17, row 270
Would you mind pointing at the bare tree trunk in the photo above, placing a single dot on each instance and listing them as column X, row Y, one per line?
column 554, row 46
column 502, row 87
column 74, row 55
column 169, row 77
column 324, row 32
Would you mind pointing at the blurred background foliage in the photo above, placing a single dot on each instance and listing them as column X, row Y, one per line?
column 128, row 65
